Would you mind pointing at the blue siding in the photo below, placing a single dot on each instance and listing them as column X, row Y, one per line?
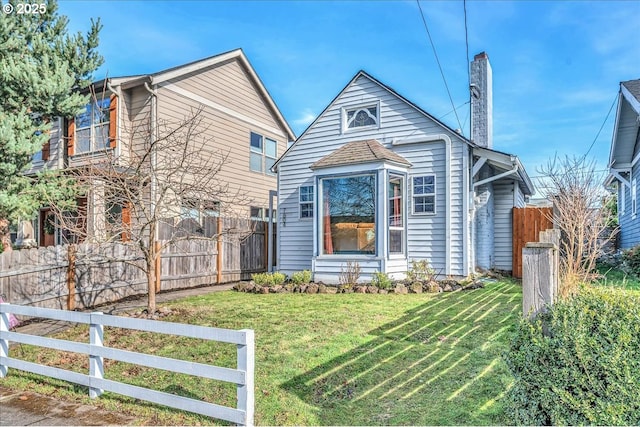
column 630, row 223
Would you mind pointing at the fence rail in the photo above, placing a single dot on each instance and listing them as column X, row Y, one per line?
column 243, row 376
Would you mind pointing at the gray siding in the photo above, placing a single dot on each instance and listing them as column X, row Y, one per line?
column 398, row 120
column 503, row 225
column 629, row 223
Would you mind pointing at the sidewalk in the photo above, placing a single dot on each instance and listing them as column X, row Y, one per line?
column 27, row 408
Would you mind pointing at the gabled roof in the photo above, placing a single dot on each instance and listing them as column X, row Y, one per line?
column 363, row 73
column 202, row 64
column 358, row 152
column 626, row 128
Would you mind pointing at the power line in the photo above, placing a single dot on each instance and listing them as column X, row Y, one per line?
column 466, row 42
column 426, row 27
column 601, row 127
column 457, row 108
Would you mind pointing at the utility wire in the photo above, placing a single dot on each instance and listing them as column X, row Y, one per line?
column 457, row 108
column 466, row 42
column 426, row 27
column 601, row 127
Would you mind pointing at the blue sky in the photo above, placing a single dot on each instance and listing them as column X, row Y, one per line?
column 556, row 64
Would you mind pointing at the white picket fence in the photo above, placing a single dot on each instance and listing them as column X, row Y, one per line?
column 243, row 376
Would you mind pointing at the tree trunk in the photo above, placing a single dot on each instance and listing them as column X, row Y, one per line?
column 151, row 283
column 5, row 235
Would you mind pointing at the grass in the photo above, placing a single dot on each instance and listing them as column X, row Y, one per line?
column 357, row 359
column 615, row 277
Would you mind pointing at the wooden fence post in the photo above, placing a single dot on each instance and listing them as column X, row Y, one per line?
column 71, row 277
column 553, row 236
column 158, row 265
column 539, row 277
column 219, row 249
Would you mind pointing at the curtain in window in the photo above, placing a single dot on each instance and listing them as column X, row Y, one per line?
column 328, row 241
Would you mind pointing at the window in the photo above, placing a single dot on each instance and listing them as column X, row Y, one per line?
column 424, row 194
column 199, row 217
column 306, row 201
column 395, row 197
column 256, row 213
column 348, row 221
column 361, row 117
column 92, row 127
column 263, row 153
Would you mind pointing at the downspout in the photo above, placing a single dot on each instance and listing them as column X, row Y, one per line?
column 447, row 146
column 118, row 94
column 465, row 212
column 152, row 142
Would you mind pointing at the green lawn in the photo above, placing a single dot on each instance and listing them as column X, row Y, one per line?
column 356, row 359
column 617, row 278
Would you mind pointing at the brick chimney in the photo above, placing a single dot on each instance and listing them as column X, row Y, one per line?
column 481, row 101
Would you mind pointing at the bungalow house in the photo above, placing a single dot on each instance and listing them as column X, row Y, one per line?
column 238, row 114
column 624, row 166
column 377, row 180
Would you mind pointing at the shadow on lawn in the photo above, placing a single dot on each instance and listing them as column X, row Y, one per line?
column 437, row 364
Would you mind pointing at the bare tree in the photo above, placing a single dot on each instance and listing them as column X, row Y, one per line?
column 165, row 185
column 576, row 191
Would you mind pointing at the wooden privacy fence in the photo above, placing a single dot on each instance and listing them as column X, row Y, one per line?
column 96, row 351
column 527, row 224
column 86, row 275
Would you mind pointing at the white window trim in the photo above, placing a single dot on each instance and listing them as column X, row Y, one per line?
column 403, row 228
column 413, row 196
column 345, row 109
column 312, row 203
column 263, row 153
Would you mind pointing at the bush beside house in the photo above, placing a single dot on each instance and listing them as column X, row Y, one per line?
column 579, row 363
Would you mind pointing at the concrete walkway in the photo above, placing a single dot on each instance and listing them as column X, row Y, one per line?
column 27, row 408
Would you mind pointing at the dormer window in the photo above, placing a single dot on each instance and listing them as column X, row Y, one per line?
column 362, row 116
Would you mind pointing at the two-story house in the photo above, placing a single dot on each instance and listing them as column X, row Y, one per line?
column 125, row 113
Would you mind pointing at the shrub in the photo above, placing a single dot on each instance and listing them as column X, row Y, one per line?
column 420, row 271
column 349, row 273
column 579, row 363
column 269, row 279
column 631, row 259
column 300, row 277
column 381, row 280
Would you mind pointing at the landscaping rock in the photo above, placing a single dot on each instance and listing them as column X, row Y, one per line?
column 400, row 289
column 283, row 290
column 331, row 290
column 447, row 288
column 416, row 288
column 263, row 290
column 345, row 289
column 322, row 289
column 383, row 291
column 432, row 287
column 360, row 290
column 312, row 289
column 275, row 289
column 303, row 288
column 372, row 289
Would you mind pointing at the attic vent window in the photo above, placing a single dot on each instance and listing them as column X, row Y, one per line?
column 361, row 117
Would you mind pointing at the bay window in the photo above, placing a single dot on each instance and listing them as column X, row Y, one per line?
column 349, row 211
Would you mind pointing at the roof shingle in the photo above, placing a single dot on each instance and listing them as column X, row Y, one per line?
column 633, row 86
column 358, row 152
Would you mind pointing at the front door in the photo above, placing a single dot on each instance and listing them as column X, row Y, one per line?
column 47, row 228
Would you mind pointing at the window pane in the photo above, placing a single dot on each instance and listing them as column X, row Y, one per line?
column 361, row 117
column 83, row 140
column 395, row 241
column 101, row 111
column 306, row 194
column 256, row 213
column 349, row 215
column 306, row 210
column 101, row 137
column 396, row 201
column 424, row 204
column 269, row 162
column 256, row 143
column 83, row 120
column 255, row 162
column 271, row 148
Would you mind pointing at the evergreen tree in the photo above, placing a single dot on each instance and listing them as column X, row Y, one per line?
column 43, row 68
